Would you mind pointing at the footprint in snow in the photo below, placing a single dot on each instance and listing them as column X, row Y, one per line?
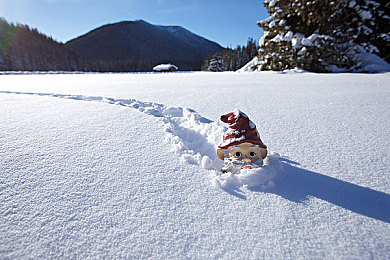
column 193, row 138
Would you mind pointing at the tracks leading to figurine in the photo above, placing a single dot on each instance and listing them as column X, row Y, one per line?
column 193, row 137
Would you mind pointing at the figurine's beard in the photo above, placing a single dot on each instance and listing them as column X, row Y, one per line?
column 235, row 166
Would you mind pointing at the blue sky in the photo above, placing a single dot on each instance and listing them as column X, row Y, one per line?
column 228, row 22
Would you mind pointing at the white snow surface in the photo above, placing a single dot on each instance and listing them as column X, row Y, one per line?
column 124, row 166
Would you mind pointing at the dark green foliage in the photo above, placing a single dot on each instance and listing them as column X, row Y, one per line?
column 323, row 35
column 25, row 49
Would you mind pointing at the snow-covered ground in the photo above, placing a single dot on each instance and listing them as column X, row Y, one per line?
column 124, row 166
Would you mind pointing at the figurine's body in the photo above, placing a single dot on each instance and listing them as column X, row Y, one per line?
column 241, row 147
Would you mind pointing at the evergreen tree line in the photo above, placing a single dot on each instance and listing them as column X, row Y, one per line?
column 143, row 65
column 231, row 59
column 26, row 49
column 324, row 35
column 23, row 48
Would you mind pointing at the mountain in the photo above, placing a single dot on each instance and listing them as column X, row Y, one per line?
column 138, row 46
column 25, row 49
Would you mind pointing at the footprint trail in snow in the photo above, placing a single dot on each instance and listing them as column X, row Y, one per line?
column 193, row 138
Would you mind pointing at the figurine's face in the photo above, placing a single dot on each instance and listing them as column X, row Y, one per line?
column 245, row 152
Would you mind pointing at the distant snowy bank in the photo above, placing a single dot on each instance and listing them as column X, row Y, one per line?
column 369, row 62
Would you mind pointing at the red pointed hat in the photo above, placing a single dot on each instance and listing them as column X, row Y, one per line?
column 240, row 130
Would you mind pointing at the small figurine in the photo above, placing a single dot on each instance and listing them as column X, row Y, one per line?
column 241, row 147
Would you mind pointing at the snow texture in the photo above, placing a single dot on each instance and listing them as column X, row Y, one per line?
column 124, row 166
column 262, row 178
column 187, row 131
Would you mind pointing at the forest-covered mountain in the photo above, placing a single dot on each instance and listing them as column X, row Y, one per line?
column 139, row 46
column 23, row 48
column 119, row 47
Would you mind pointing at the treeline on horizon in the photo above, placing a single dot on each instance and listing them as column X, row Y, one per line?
column 231, row 59
column 26, row 49
column 317, row 36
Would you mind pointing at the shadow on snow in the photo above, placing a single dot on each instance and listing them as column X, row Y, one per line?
column 298, row 184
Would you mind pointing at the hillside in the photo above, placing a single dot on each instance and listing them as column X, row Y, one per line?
column 25, row 49
column 141, row 45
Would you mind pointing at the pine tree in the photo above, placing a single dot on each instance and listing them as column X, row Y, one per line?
column 323, row 35
column 215, row 64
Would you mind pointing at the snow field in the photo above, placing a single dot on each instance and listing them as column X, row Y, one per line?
column 78, row 184
column 121, row 166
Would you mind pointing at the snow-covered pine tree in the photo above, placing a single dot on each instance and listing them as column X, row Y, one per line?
column 215, row 64
column 324, row 35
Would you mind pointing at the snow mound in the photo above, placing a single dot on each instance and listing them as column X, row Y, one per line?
column 165, row 67
column 372, row 63
column 368, row 62
column 262, row 178
column 250, row 66
column 254, row 65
